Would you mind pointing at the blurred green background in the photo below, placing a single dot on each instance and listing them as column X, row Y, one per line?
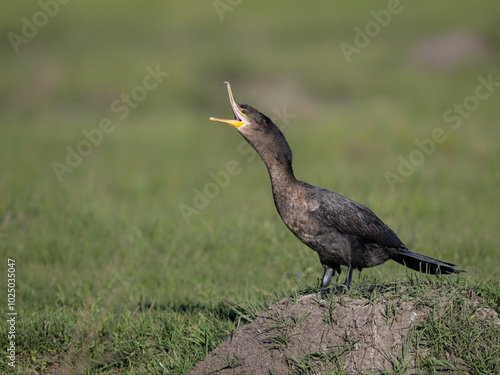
column 117, row 214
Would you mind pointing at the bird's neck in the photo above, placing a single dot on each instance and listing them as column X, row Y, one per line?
column 277, row 155
column 280, row 172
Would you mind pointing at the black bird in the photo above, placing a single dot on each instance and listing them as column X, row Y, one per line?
column 342, row 231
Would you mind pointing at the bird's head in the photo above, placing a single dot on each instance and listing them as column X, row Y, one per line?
column 245, row 116
column 260, row 132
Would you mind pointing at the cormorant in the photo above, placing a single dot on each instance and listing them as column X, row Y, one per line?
column 342, row 231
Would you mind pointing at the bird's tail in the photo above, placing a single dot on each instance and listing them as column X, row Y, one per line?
column 425, row 264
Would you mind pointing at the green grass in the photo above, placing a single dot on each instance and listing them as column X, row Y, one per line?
column 109, row 276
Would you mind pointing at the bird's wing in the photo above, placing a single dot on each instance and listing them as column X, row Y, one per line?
column 350, row 217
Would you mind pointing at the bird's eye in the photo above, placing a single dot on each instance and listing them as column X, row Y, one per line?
column 244, row 111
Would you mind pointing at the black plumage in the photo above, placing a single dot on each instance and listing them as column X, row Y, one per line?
column 342, row 231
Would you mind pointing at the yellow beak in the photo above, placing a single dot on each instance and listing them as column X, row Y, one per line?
column 239, row 117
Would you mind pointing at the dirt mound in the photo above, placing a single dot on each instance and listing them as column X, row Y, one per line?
column 309, row 335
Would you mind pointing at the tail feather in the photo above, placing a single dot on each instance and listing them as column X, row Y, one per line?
column 425, row 264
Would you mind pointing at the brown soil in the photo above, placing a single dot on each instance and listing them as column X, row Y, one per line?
column 317, row 336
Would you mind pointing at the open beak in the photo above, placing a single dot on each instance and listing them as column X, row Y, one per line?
column 239, row 117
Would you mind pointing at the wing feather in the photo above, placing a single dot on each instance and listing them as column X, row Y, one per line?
column 350, row 217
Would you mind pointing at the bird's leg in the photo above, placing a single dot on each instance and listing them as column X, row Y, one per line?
column 325, row 280
column 341, row 289
column 327, row 276
column 348, row 278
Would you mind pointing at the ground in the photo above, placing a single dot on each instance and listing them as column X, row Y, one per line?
column 386, row 331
